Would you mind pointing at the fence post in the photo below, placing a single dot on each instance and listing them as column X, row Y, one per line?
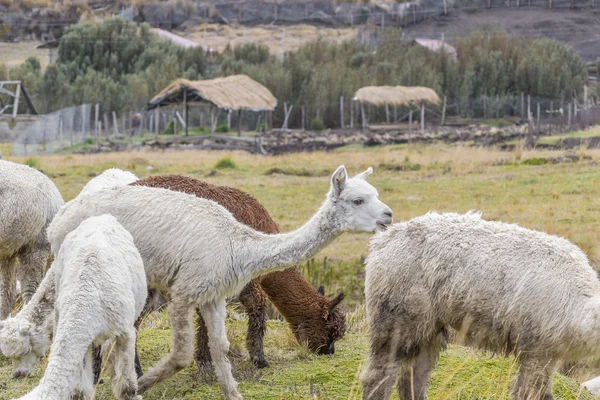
column 351, row 115
column 585, row 96
column 106, row 125
column 410, row 111
column 422, row 118
column 445, row 8
column 239, row 127
column 528, row 106
column 362, row 113
column 387, row 114
column 569, row 120
column 538, row 118
column 484, row 107
column 156, row 120
column 342, row 112
column 229, row 119
column 303, row 119
column 115, row 124
column 444, row 111
column 96, row 120
column 522, row 105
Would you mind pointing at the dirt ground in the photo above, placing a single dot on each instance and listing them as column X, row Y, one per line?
column 579, row 28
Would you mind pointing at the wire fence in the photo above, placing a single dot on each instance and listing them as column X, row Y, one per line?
column 69, row 128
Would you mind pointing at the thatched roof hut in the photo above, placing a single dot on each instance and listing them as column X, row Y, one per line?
column 236, row 92
column 396, row 95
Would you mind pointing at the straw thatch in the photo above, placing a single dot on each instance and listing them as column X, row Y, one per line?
column 396, row 95
column 236, row 92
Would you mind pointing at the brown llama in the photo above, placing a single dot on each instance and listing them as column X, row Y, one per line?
column 312, row 317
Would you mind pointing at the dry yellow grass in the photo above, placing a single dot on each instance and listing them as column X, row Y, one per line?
column 219, row 36
column 13, row 54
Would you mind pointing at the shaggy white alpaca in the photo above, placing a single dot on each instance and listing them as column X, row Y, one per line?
column 197, row 253
column 28, row 202
column 100, row 291
column 26, row 337
column 593, row 385
column 505, row 288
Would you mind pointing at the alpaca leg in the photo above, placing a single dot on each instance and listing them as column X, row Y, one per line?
column 379, row 374
column 85, row 386
column 534, row 381
column 96, row 363
column 255, row 302
column 124, row 382
column 180, row 356
column 214, row 315
column 33, row 263
column 413, row 380
column 202, row 354
column 8, row 286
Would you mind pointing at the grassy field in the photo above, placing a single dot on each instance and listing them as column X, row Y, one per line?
column 562, row 199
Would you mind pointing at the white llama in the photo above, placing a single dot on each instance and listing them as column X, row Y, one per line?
column 197, row 253
column 505, row 288
column 26, row 337
column 28, row 202
column 100, row 286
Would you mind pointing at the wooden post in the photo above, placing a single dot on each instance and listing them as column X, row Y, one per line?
column 106, row 125
column 174, row 126
column 239, row 127
column 303, row 119
column 387, row 114
column 575, row 103
column 538, row 118
column 185, row 111
column 585, row 97
column 484, row 107
column 552, row 107
column 395, row 114
column 229, row 119
column 351, row 115
column 522, row 104
column 123, row 123
column 212, row 120
column 445, row 8
column 444, row 111
column 96, row 126
column 528, row 106
column 16, row 103
column 410, row 111
column 549, row 3
column 569, row 120
column 422, row 118
column 342, row 112
column 141, row 128
column 115, row 124
column 60, row 130
column 362, row 113
column 156, row 121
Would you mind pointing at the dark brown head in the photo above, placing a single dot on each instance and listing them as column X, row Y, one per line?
column 320, row 335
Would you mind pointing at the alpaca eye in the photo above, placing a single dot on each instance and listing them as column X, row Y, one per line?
column 358, row 202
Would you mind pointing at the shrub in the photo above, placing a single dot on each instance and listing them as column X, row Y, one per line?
column 32, row 162
column 169, row 129
column 316, row 124
column 225, row 163
column 535, row 161
column 223, row 128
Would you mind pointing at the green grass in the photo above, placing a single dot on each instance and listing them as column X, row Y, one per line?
column 562, row 199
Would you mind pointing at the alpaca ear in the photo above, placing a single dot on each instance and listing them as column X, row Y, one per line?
column 338, row 180
column 321, row 290
column 363, row 175
column 335, row 302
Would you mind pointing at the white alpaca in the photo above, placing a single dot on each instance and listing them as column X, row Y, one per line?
column 505, row 288
column 197, row 253
column 100, row 291
column 28, row 202
column 26, row 337
column 593, row 385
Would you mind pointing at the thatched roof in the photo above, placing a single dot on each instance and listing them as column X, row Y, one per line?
column 236, row 92
column 396, row 95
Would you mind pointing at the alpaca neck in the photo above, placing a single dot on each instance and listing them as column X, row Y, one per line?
column 272, row 252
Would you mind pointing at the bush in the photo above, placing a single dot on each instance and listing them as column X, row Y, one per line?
column 169, row 129
column 225, row 163
column 535, row 161
column 32, row 162
column 316, row 124
column 223, row 128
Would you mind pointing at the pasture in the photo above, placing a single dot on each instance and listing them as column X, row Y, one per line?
column 562, row 199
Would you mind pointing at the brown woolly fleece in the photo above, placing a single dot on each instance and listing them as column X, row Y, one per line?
column 311, row 316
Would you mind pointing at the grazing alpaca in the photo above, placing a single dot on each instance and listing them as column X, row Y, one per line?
column 313, row 318
column 28, row 202
column 26, row 337
column 197, row 254
column 593, row 385
column 100, row 286
column 507, row 289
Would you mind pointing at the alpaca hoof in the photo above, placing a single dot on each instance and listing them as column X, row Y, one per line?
column 261, row 363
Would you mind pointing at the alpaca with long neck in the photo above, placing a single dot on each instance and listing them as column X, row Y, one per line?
column 312, row 317
column 101, row 289
column 198, row 254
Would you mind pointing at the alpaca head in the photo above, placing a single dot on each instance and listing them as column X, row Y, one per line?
column 356, row 203
column 320, row 336
column 17, row 342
